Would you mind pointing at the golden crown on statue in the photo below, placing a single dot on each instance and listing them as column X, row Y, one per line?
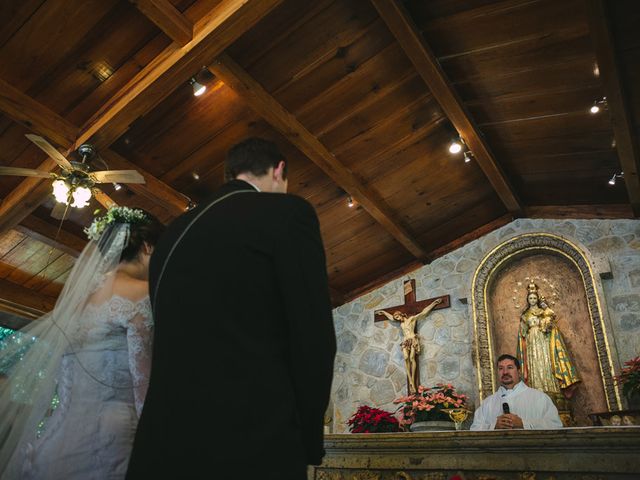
column 532, row 288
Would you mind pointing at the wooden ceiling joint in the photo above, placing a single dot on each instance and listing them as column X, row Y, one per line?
column 213, row 33
column 235, row 77
column 425, row 62
column 34, row 116
column 20, row 300
column 626, row 141
column 167, row 18
column 49, row 234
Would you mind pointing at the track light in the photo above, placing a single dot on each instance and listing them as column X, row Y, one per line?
column 467, row 156
column 456, row 146
column 116, row 186
column 198, row 88
column 350, row 202
column 612, row 180
column 598, row 105
column 195, row 175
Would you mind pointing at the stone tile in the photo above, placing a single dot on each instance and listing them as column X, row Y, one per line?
column 443, row 267
column 346, row 342
column 399, row 380
column 449, row 368
column 630, row 322
column 426, row 330
column 452, row 281
column 607, row 245
column 465, row 265
column 634, row 278
column 442, row 336
column 626, row 303
column 374, row 362
column 382, row 392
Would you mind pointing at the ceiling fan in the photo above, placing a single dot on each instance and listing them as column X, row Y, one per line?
column 76, row 183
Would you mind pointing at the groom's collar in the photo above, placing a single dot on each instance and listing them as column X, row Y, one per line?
column 237, row 184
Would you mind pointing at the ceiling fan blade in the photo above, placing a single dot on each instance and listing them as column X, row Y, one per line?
column 24, row 172
column 59, row 210
column 103, row 199
column 50, row 150
column 121, row 176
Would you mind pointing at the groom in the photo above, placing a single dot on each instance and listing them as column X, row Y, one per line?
column 244, row 341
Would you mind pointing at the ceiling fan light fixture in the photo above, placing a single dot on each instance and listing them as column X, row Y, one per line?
column 198, row 88
column 81, row 197
column 60, row 190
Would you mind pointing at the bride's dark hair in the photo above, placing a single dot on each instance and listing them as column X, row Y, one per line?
column 143, row 227
column 139, row 233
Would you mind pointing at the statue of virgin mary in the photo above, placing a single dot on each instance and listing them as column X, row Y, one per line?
column 545, row 360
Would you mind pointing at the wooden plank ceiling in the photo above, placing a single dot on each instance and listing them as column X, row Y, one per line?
column 362, row 96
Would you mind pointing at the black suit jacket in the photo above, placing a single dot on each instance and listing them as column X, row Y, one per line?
column 244, row 340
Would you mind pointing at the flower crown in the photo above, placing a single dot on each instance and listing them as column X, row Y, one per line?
column 115, row 215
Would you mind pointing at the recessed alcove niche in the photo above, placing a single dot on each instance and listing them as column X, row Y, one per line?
column 564, row 276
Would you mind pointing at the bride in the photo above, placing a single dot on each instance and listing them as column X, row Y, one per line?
column 77, row 377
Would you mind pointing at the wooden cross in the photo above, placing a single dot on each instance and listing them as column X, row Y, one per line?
column 412, row 307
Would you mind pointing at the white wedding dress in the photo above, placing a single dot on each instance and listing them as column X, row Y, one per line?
column 101, row 388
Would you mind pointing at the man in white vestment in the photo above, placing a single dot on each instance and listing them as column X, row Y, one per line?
column 515, row 405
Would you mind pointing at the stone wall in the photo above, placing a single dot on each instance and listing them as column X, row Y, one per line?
column 369, row 365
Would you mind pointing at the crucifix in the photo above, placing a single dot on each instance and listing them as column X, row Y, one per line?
column 408, row 315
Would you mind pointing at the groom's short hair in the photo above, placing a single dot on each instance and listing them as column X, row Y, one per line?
column 253, row 155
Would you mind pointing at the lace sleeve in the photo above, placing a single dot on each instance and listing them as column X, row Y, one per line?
column 139, row 337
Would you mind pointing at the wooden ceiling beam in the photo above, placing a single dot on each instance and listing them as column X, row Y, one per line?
column 235, row 77
column 167, row 18
column 35, row 116
column 31, row 192
column 48, row 234
column 154, row 189
column 25, row 198
column 425, row 62
column 626, row 141
column 15, row 298
column 579, row 211
column 173, row 67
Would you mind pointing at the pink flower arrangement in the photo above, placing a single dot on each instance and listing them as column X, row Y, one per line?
column 372, row 420
column 428, row 404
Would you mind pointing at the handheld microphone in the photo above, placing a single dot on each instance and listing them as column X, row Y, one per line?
column 505, row 407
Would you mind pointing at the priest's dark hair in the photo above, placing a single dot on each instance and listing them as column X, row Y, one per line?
column 506, row 356
column 253, row 155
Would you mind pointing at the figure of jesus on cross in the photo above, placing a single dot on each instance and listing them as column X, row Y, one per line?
column 411, row 342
